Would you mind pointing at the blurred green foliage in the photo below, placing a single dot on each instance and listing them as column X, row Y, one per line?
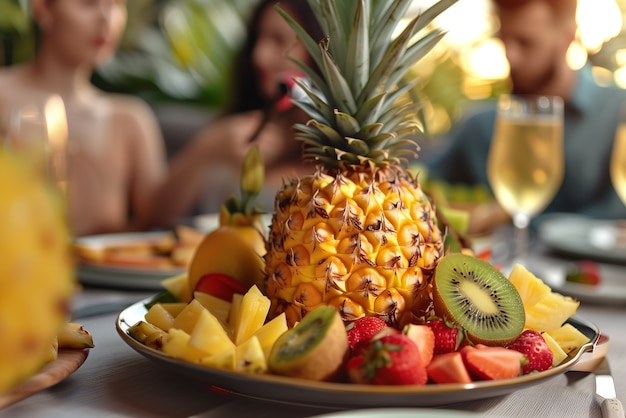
column 172, row 50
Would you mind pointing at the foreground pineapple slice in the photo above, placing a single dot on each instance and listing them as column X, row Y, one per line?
column 359, row 234
column 36, row 271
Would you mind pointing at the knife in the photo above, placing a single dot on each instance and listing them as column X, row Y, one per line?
column 605, row 390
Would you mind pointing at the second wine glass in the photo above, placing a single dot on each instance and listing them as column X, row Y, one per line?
column 525, row 165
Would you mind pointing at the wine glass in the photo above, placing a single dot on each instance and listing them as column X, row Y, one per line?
column 35, row 128
column 526, row 160
column 618, row 158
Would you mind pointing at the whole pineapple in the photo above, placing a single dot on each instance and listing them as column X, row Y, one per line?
column 359, row 234
column 36, row 271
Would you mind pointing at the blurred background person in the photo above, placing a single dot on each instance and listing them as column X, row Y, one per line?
column 116, row 157
column 207, row 171
column 536, row 35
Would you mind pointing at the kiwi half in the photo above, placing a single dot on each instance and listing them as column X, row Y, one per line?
column 314, row 349
column 476, row 296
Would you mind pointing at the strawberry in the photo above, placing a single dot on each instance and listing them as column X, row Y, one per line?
column 448, row 368
column 362, row 330
column 538, row 354
column 492, row 363
column 220, row 285
column 447, row 339
column 424, row 337
column 390, row 360
column 586, row 272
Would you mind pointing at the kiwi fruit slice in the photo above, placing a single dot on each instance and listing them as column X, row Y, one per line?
column 479, row 298
column 314, row 349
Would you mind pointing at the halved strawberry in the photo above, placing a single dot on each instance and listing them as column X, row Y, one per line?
column 448, row 368
column 220, row 285
column 492, row 363
column 424, row 337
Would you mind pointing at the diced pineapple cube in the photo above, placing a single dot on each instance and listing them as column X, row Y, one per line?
column 142, row 330
column 531, row 288
column 269, row 333
column 176, row 345
column 178, row 286
column 254, row 308
column 209, row 336
column 558, row 355
column 250, row 357
column 159, row 316
column 174, row 308
column 550, row 312
column 224, row 360
column 218, row 307
column 568, row 337
column 187, row 318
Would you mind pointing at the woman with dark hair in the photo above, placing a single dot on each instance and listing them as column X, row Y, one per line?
column 207, row 171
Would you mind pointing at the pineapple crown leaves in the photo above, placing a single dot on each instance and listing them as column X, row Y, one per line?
column 356, row 97
column 252, row 179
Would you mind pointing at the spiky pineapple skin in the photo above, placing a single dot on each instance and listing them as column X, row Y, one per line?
column 36, row 271
column 364, row 241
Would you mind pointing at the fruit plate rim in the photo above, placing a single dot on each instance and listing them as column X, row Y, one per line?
column 344, row 395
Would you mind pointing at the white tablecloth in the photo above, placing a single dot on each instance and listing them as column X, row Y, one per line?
column 115, row 381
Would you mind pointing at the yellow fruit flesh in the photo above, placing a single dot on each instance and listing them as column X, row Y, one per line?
column 568, row 337
column 236, row 251
column 365, row 244
column 36, row 271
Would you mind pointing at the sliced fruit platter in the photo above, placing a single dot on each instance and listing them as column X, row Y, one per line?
column 363, row 292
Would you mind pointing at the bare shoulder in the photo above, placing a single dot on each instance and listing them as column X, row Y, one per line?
column 130, row 106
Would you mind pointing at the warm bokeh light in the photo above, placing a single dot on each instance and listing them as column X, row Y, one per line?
column 487, row 60
column 598, row 21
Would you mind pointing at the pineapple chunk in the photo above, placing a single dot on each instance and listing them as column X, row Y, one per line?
column 178, row 286
column 568, row 337
column 187, row 318
column 269, row 333
column 74, row 335
column 251, row 316
column 174, row 308
column 209, row 336
column 550, row 312
column 159, row 316
column 223, row 360
column 558, row 355
column 142, row 330
column 250, row 357
column 218, row 307
column 235, row 308
column 530, row 288
column 176, row 345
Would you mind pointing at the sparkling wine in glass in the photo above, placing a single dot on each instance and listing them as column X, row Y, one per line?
column 618, row 158
column 35, row 127
column 526, row 163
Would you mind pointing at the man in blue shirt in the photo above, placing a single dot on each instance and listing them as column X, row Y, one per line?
column 536, row 35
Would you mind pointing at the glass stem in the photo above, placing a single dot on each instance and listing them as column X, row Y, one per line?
column 521, row 222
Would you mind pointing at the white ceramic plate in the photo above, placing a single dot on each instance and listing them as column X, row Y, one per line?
column 343, row 395
column 119, row 276
column 584, row 237
column 611, row 289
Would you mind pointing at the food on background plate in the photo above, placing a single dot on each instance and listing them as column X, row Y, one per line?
column 36, row 272
column 167, row 250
